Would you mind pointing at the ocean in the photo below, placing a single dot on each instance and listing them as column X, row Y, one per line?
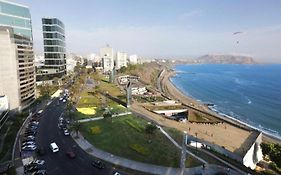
column 248, row 93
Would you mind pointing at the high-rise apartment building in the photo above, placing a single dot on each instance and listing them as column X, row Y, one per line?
column 121, row 60
column 133, row 59
column 54, row 50
column 17, row 72
column 107, row 55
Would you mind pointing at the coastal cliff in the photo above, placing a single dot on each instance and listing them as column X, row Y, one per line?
column 225, row 59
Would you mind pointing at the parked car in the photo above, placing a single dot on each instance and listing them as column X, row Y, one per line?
column 31, row 168
column 37, row 162
column 40, row 172
column 30, row 137
column 28, row 143
column 65, row 132
column 98, row 164
column 34, row 123
column 117, row 173
column 70, row 154
column 29, row 147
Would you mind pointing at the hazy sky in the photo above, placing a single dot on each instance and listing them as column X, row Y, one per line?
column 165, row 28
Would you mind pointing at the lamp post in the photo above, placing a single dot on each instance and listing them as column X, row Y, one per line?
column 196, row 141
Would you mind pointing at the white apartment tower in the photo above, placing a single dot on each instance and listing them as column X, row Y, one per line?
column 107, row 56
column 121, row 60
column 133, row 59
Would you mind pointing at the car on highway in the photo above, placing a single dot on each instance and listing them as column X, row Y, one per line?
column 70, row 154
column 98, row 164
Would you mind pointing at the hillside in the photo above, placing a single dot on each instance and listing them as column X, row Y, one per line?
column 225, row 59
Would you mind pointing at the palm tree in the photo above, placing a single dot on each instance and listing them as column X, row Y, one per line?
column 76, row 126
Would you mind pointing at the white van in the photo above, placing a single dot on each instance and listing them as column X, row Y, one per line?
column 54, row 147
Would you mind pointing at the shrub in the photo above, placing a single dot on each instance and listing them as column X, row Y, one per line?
column 95, row 130
column 139, row 149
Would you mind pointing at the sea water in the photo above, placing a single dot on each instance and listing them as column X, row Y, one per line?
column 249, row 93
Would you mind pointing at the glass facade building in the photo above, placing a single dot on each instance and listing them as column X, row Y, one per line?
column 54, row 50
column 17, row 71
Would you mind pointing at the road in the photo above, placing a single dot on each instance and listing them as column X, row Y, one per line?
column 58, row 163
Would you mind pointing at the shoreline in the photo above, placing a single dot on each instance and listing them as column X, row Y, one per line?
column 190, row 102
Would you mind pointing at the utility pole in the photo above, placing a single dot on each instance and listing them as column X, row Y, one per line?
column 196, row 141
column 183, row 153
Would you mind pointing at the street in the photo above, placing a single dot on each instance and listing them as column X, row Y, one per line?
column 58, row 163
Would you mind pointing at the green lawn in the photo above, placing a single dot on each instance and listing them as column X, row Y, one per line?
column 125, row 136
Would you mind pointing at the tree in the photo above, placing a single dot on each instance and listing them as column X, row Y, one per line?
column 150, row 129
column 76, row 126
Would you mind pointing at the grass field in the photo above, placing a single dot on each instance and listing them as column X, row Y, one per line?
column 125, row 136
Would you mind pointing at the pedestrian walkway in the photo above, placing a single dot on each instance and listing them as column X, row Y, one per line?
column 90, row 119
column 100, row 118
column 143, row 167
column 177, row 145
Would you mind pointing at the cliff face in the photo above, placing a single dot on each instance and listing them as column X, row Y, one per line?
column 225, row 59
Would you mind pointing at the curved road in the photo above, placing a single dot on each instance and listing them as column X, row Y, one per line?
column 58, row 163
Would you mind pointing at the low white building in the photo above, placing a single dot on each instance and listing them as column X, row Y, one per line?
column 123, row 80
column 138, row 90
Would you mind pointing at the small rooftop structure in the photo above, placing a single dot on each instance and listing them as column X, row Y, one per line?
column 124, row 79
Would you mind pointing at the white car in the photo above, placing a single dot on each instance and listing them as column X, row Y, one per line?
column 116, row 173
column 54, row 147
column 61, row 99
column 28, row 143
column 32, row 147
column 64, row 100
column 65, row 132
column 30, row 137
column 39, row 162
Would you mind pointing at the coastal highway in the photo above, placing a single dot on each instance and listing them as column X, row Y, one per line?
column 58, row 163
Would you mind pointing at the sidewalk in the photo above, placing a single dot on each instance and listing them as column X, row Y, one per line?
column 143, row 167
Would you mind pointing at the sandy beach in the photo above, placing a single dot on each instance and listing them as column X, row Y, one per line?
column 233, row 126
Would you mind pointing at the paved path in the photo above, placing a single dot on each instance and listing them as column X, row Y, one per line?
column 177, row 145
column 100, row 118
column 90, row 119
column 143, row 167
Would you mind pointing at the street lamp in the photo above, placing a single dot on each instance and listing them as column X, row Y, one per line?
column 196, row 141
